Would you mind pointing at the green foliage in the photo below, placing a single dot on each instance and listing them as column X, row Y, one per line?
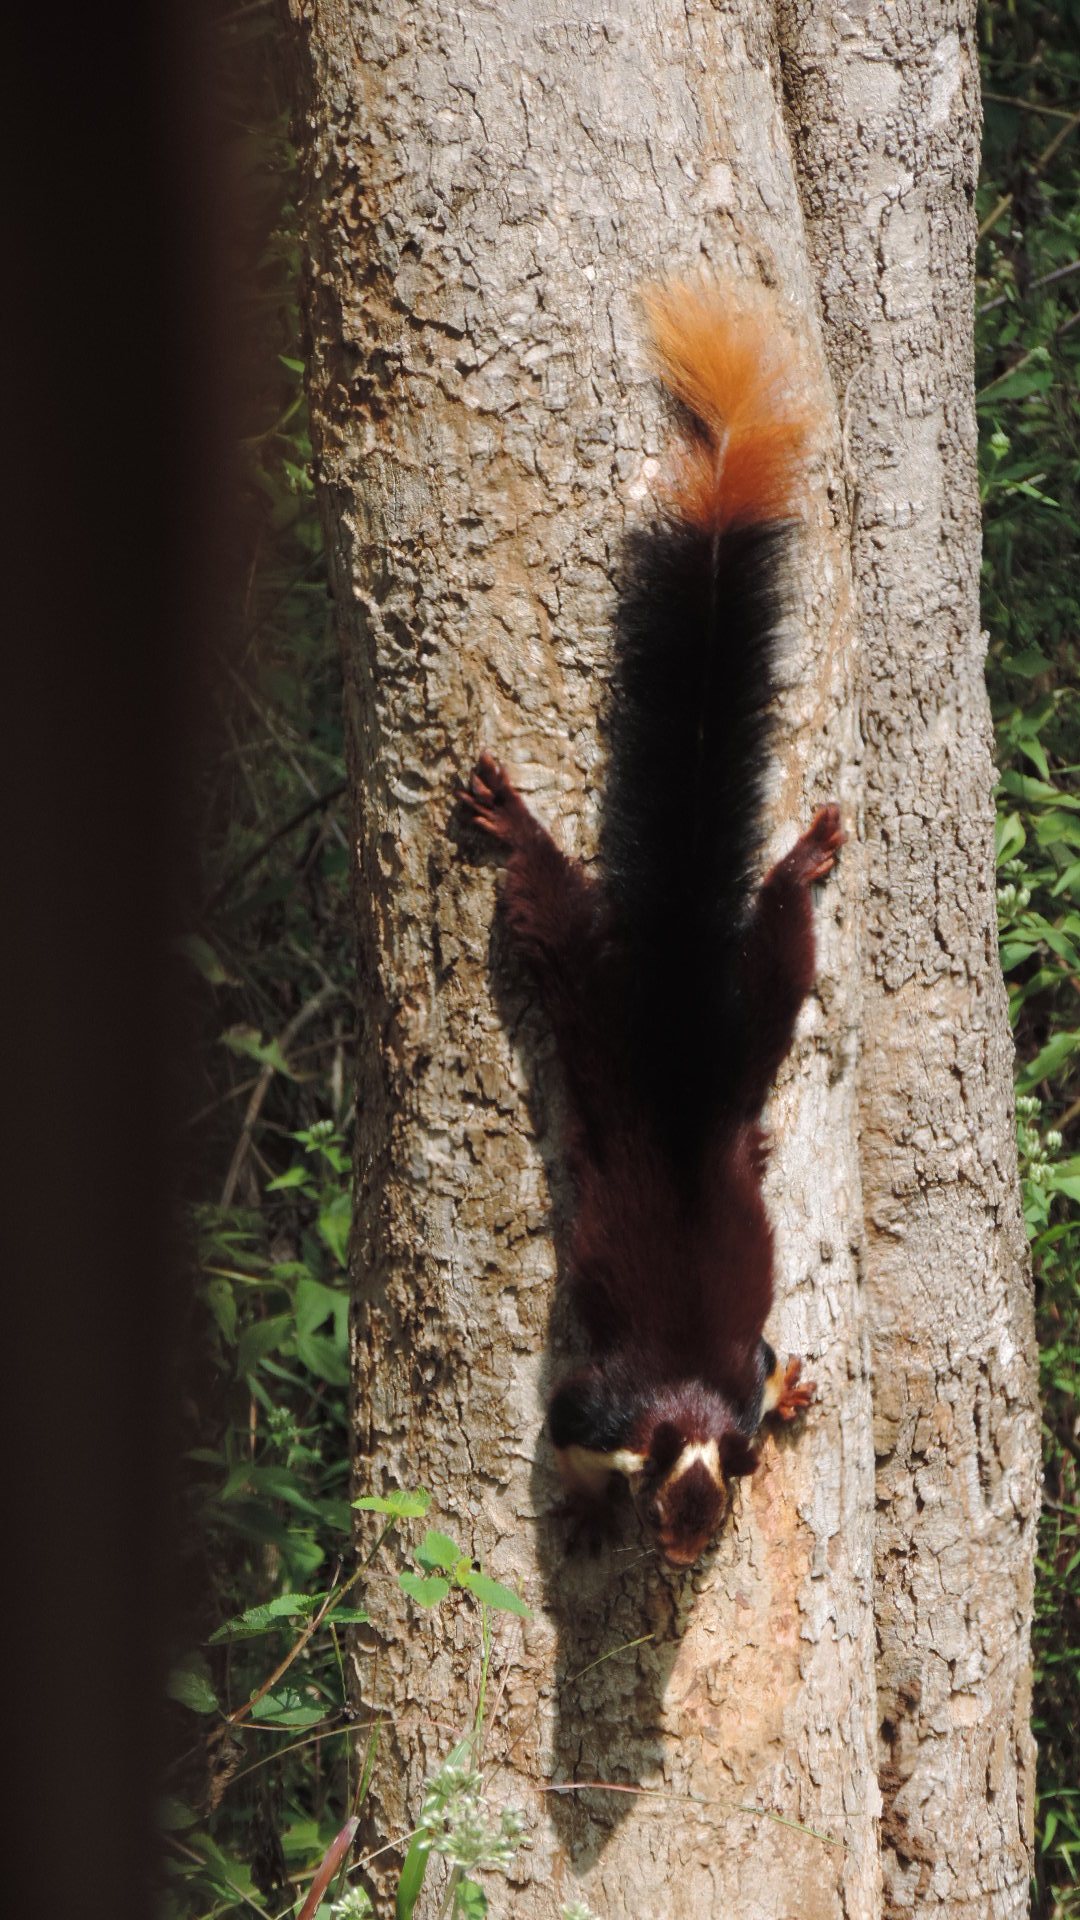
column 1028, row 367
column 446, row 1568
column 263, row 1770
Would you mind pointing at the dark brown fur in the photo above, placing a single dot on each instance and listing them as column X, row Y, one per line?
column 673, row 987
column 673, row 1275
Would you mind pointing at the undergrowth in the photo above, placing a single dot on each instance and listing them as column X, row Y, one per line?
column 257, row 1789
column 1028, row 363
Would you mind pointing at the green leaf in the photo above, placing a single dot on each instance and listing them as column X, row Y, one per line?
column 1009, row 836
column 426, row 1593
column 1020, row 384
column 190, row 1684
column 274, row 1483
column 249, row 1042
column 1027, row 663
column 335, row 1224
column 402, row 1505
column 301, row 1839
column 317, row 1303
column 1013, row 952
column 263, row 1619
column 1058, row 828
column 493, row 1594
column 295, row 1177
column 471, row 1902
column 202, row 955
column 1026, row 787
column 1059, row 943
column 1036, row 753
column 1068, row 1184
column 261, row 1338
column 348, row 1616
column 221, row 1300
column 438, row 1550
column 411, row 1878
column 174, row 1816
column 1048, row 1060
column 324, row 1358
column 288, row 1707
column 230, row 1875
column 1068, row 881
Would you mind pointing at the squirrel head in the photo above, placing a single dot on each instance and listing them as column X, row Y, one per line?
column 683, row 1491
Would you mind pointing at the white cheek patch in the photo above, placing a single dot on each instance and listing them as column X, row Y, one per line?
column 626, row 1461
column 591, row 1468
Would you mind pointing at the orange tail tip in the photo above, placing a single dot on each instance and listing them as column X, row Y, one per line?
column 724, row 352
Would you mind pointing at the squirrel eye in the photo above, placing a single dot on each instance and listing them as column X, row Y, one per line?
column 666, row 1446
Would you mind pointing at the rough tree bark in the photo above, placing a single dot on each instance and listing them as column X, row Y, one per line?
column 487, row 186
column 885, row 106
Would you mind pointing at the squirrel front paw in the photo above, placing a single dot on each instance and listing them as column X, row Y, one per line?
column 794, row 1394
column 491, row 801
column 591, row 1523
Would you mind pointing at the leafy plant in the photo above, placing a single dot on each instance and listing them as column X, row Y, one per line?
column 1028, row 363
column 456, row 1820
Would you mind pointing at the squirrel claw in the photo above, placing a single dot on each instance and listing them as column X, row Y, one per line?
column 489, row 799
column 796, row 1394
column 823, row 838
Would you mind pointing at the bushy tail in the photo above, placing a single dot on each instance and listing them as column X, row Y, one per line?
column 724, row 354
column 701, row 602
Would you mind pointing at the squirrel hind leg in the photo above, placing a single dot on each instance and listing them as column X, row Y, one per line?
column 813, row 856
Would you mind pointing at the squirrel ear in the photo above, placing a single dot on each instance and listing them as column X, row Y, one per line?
column 738, row 1456
column 665, row 1445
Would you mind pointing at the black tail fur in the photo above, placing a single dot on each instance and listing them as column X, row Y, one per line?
column 691, row 725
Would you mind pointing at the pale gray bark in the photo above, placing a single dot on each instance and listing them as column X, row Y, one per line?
column 488, row 184
column 885, row 108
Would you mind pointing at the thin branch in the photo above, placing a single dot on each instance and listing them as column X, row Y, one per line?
column 691, row 1800
column 1043, row 160
column 262, row 1086
column 295, row 763
column 609, row 1655
column 239, row 873
column 244, row 1086
column 1044, row 280
column 1028, row 106
column 1065, row 327
column 313, row 1625
column 190, row 1854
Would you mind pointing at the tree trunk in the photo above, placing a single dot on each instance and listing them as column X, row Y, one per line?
column 887, row 112
column 488, row 187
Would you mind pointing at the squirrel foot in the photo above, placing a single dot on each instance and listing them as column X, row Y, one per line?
column 814, row 854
